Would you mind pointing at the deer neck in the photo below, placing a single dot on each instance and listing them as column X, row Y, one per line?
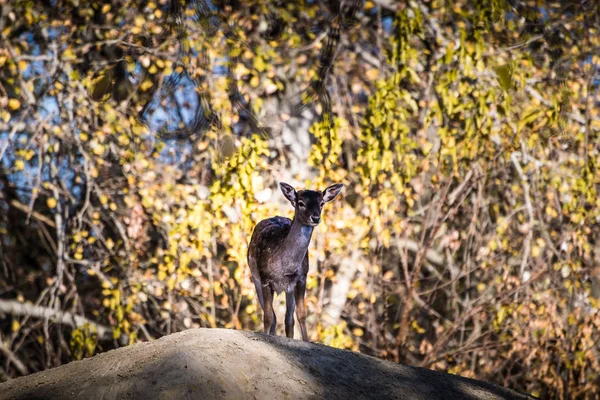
column 296, row 242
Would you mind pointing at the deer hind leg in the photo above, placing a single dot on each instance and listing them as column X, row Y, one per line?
column 259, row 291
column 290, row 303
column 269, row 319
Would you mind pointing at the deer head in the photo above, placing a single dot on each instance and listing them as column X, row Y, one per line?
column 309, row 203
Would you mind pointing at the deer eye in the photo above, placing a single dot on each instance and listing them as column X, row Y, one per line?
column 301, row 204
column 322, row 204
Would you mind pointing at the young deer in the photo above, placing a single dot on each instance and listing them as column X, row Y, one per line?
column 278, row 255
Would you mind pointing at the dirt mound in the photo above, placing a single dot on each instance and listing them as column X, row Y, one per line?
column 221, row 363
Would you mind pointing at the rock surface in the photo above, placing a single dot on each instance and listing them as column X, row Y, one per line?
column 221, row 363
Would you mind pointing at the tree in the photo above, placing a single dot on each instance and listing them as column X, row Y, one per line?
column 141, row 142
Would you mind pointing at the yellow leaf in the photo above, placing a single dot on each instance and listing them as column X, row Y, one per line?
column 417, row 327
column 15, row 325
column 259, row 64
column 68, row 54
column 372, row 74
column 51, row 202
column 147, row 84
column 14, row 104
column 123, row 140
column 19, row 165
column 162, row 275
column 139, row 20
column 98, row 150
column 357, row 332
column 171, row 283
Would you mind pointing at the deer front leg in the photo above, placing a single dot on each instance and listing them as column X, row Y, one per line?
column 269, row 319
column 301, row 308
column 290, row 303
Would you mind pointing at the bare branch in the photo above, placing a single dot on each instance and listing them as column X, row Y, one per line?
column 13, row 307
column 433, row 256
column 13, row 359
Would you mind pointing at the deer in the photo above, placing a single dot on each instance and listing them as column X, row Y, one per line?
column 278, row 256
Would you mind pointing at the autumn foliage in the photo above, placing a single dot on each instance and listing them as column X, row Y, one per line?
column 141, row 141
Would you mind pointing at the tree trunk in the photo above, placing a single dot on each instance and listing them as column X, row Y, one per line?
column 220, row 363
column 338, row 293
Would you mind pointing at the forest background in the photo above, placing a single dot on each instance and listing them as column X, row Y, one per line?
column 141, row 141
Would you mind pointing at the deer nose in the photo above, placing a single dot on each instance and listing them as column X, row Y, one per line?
column 315, row 219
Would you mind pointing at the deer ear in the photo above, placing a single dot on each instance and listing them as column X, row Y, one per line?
column 289, row 192
column 332, row 191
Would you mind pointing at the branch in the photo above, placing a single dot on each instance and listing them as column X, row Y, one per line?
column 36, row 215
column 529, row 208
column 13, row 359
column 387, row 4
column 456, row 193
column 431, row 255
column 13, row 307
column 572, row 116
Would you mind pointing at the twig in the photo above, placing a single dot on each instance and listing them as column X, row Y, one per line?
column 529, row 209
column 12, row 358
column 93, row 265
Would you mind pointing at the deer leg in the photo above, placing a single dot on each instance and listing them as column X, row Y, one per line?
column 290, row 303
column 273, row 330
column 301, row 308
column 269, row 319
column 259, row 292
